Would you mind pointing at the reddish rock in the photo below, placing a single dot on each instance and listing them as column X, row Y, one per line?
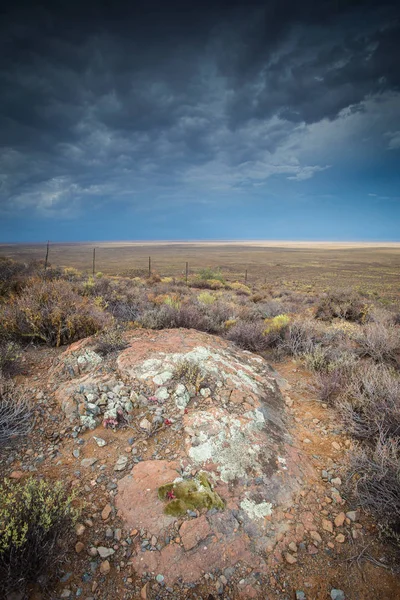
column 137, row 500
column 194, row 531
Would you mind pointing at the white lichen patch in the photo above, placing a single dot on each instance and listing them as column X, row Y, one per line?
column 229, row 443
column 254, row 510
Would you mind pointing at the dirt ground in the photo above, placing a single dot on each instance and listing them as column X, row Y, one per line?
column 361, row 565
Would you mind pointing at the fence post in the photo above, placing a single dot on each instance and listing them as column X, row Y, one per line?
column 245, row 277
column 149, row 266
column 94, row 260
column 47, row 255
column 187, row 272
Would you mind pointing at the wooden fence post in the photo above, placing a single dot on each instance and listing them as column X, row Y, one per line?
column 187, row 272
column 149, row 266
column 47, row 255
column 94, row 260
column 245, row 277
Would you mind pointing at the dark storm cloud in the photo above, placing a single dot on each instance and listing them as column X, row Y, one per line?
column 101, row 100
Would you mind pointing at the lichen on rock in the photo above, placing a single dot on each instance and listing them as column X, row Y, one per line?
column 189, row 494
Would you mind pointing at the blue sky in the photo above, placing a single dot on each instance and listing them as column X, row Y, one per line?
column 228, row 120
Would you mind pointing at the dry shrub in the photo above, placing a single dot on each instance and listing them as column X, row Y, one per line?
column 51, row 312
column 301, row 337
column 111, row 340
column 34, row 517
column 271, row 308
column 342, row 305
column 249, row 336
column 375, row 475
column 370, row 406
column 16, row 414
column 379, row 341
column 10, row 353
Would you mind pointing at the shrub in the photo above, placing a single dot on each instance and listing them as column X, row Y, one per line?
column 33, row 517
column 189, row 373
column 240, row 288
column 111, row 340
column 51, row 312
column 16, row 414
column 249, row 336
column 375, row 475
column 370, row 407
column 208, row 274
column 301, row 337
column 10, row 352
column 206, row 298
column 380, row 342
column 343, row 305
column 269, row 309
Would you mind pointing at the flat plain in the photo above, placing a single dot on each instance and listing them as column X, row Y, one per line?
column 373, row 268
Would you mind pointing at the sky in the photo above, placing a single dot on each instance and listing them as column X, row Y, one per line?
column 182, row 120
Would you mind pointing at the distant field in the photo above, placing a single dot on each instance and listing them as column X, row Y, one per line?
column 297, row 265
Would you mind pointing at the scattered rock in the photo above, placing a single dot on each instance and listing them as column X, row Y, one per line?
column 105, row 513
column 79, row 529
column 327, row 525
column 121, row 463
column 79, row 546
column 99, row 441
column 89, row 462
column 340, row 538
column 105, row 552
column 340, row 519
column 352, row 515
column 105, row 567
column 290, row 558
column 337, row 594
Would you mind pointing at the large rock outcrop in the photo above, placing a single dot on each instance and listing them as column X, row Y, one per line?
column 221, row 412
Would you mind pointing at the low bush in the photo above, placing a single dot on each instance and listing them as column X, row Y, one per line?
column 51, row 312
column 10, row 353
column 302, row 336
column 342, row 305
column 34, row 517
column 110, row 340
column 370, row 407
column 189, row 373
column 379, row 341
column 375, row 475
column 16, row 414
column 249, row 336
column 208, row 274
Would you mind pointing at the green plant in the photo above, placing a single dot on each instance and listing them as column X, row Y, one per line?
column 206, row 298
column 211, row 274
column 34, row 516
column 189, row 494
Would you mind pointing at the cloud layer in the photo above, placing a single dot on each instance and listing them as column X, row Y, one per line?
column 151, row 104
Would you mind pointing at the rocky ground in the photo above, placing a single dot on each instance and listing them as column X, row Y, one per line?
column 175, row 407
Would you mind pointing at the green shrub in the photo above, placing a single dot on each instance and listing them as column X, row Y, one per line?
column 51, row 312
column 206, row 298
column 34, row 516
column 209, row 273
